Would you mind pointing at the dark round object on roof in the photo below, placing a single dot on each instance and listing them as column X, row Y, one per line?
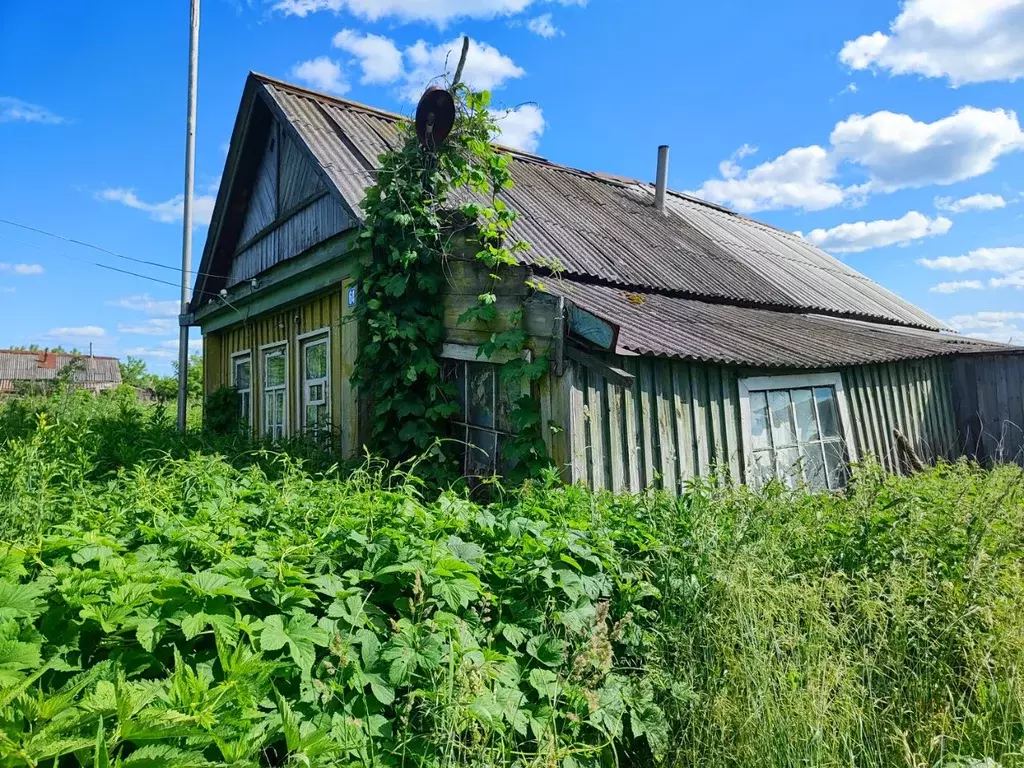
column 435, row 116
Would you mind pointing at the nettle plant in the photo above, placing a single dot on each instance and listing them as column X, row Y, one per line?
column 427, row 206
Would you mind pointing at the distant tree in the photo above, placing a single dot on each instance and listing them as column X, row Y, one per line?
column 195, row 375
column 165, row 387
column 133, row 371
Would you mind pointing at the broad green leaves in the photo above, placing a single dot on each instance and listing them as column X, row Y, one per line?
column 299, row 632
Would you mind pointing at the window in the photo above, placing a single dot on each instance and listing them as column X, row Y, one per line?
column 316, row 385
column 241, row 380
column 483, row 424
column 275, row 391
column 796, row 430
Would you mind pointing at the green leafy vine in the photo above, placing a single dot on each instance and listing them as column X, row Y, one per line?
column 427, row 205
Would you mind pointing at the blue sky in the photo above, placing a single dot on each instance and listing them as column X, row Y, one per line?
column 886, row 132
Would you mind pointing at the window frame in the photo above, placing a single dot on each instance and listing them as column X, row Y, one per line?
column 465, row 354
column 789, row 382
column 304, row 340
column 236, row 358
column 265, row 350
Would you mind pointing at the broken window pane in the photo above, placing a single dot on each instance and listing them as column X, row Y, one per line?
column 827, row 411
column 759, row 432
column 788, row 466
column 480, row 393
column 508, row 394
column 480, row 452
column 806, row 421
column 782, row 418
column 835, row 461
column 764, row 468
column 814, row 467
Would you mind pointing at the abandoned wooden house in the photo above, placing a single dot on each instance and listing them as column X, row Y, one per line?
column 683, row 339
column 25, row 371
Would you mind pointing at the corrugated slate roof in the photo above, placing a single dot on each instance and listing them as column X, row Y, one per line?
column 21, row 365
column 655, row 324
column 599, row 226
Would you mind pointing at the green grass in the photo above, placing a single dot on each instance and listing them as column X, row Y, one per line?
column 169, row 600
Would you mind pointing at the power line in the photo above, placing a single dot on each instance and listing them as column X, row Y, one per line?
column 101, row 249
column 112, row 269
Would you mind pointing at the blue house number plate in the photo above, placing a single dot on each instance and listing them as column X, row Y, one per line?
column 352, row 296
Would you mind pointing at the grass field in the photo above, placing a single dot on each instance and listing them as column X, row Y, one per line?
column 194, row 601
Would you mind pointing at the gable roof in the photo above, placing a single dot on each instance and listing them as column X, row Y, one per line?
column 604, row 229
column 23, row 365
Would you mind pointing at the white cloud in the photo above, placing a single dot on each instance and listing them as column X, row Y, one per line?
column 730, row 168
column 966, row 42
column 143, row 302
column 77, row 332
column 863, row 235
column 167, row 350
column 169, row 211
column 850, row 88
column 1001, row 260
column 894, row 150
column 543, row 26
column 486, row 68
column 520, row 128
column 992, row 326
column 800, row 178
column 899, row 152
column 22, row 269
column 955, row 286
column 153, row 326
column 15, row 110
column 438, row 12
column 321, row 73
column 1012, row 280
column 983, row 202
column 378, row 56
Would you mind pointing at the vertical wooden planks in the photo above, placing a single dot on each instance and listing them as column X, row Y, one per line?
column 702, row 436
column 731, row 412
column 714, row 378
column 681, row 395
column 595, row 421
column 578, row 422
column 856, row 407
column 645, row 379
column 616, row 454
column 665, row 425
column 632, row 439
column 347, row 394
column 561, row 398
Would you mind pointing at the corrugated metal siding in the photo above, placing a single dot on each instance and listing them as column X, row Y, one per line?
column 594, row 226
column 989, row 397
column 324, row 311
column 653, row 324
column 680, row 420
column 315, row 223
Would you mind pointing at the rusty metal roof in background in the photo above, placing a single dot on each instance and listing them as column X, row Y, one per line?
column 21, row 365
column 598, row 226
column 655, row 324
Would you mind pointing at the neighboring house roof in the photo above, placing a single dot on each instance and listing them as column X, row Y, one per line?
column 22, row 365
column 655, row 324
column 759, row 296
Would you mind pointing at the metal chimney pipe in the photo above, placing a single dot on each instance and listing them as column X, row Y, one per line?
column 662, row 182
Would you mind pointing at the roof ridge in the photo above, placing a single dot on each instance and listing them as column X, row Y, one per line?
column 52, row 352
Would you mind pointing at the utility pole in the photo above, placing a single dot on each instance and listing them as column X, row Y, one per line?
column 186, row 246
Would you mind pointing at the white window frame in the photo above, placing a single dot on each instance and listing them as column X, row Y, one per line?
column 470, row 353
column 304, row 340
column 236, row 358
column 266, row 350
column 790, row 382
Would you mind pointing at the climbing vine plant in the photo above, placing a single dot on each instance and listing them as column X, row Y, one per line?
column 427, row 205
